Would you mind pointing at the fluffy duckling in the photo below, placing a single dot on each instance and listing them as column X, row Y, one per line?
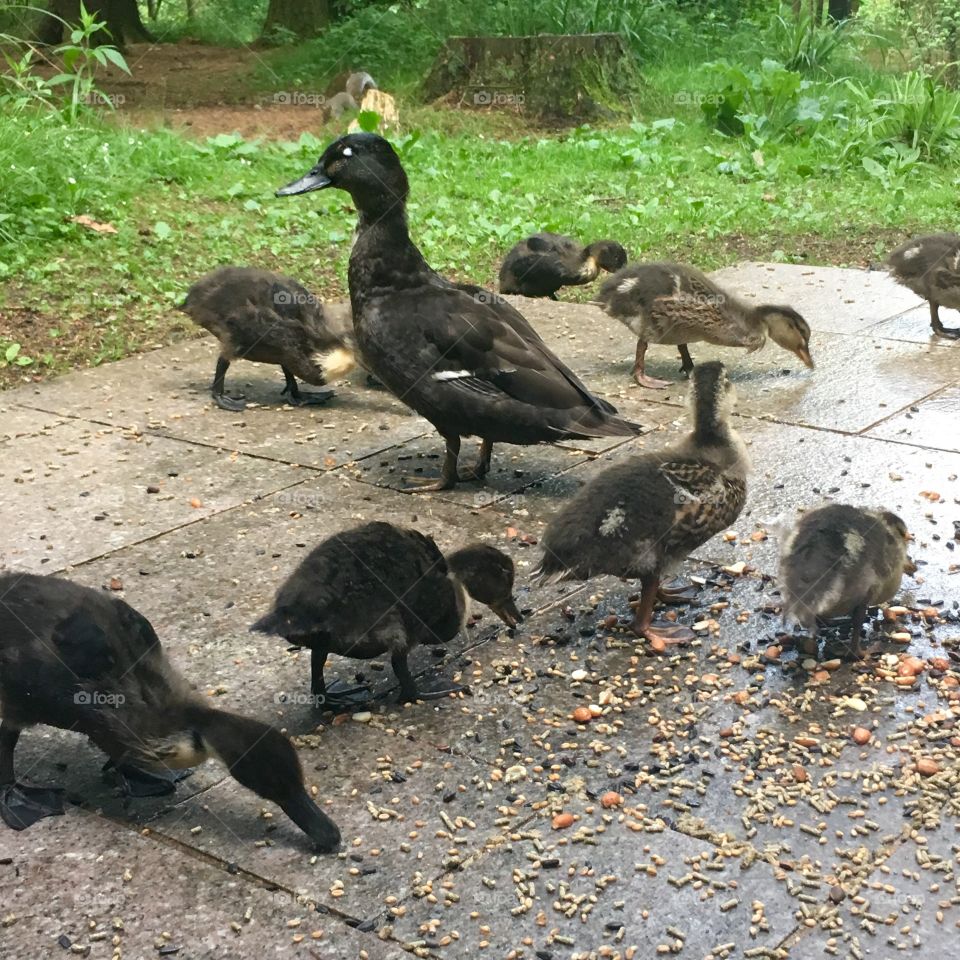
column 930, row 267
column 677, row 304
column 838, row 561
column 540, row 265
column 268, row 318
column 380, row 589
column 460, row 356
column 642, row 517
column 84, row 660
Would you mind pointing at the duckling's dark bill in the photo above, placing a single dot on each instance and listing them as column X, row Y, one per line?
column 313, row 822
column 314, row 180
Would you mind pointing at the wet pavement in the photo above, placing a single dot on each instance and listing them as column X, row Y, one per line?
column 716, row 805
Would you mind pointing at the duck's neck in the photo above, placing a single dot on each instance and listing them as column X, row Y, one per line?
column 384, row 256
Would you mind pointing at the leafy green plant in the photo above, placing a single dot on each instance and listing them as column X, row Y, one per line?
column 11, row 355
column 802, row 43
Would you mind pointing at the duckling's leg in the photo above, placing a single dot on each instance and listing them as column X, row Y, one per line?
column 857, row 619
column 338, row 696
column 297, row 397
column 686, row 361
column 408, row 687
column 22, row 806
column 659, row 635
column 448, row 475
column 138, row 783
column 638, row 369
column 480, row 469
column 938, row 328
column 224, row 402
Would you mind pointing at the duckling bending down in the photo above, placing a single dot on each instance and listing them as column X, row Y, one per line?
column 930, row 267
column 83, row 660
column 540, row 265
column 643, row 517
column 677, row 304
column 838, row 561
column 380, row 589
column 269, row 318
column 460, row 356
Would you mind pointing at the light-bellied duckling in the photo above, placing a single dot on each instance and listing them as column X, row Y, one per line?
column 677, row 304
column 642, row 517
column 930, row 267
column 838, row 561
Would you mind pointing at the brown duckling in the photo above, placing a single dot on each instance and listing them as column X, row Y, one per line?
column 83, row 660
column 930, row 267
column 378, row 589
column 268, row 318
column 838, row 561
column 642, row 517
column 677, row 304
column 540, row 265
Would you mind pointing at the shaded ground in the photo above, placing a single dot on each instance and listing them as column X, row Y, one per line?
column 718, row 804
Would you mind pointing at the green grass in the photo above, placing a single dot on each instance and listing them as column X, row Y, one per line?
column 666, row 185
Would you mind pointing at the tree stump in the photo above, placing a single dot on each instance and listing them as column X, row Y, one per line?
column 557, row 77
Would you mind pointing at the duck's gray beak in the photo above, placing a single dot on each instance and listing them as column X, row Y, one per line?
column 316, row 179
column 507, row 612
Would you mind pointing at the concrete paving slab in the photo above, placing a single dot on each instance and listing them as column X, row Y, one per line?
column 16, row 422
column 406, row 811
column 602, row 887
column 79, row 490
column 99, row 897
column 914, row 325
column 167, row 392
column 931, row 423
column 832, row 299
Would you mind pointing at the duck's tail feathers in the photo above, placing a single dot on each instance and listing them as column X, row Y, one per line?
column 602, row 422
column 267, row 623
column 542, row 577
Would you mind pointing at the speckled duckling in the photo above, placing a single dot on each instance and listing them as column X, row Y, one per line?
column 540, row 265
column 84, row 660
column 838, row 561
column 380, row 589
column 641, row 518
column 930, row 267
column 677, row 304
column 269, row 318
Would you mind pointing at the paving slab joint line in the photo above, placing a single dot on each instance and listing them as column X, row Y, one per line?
column 903, row 409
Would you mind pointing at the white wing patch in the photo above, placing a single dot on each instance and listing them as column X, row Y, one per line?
column 627, row 285
column 451, row 374
column 613, row 522
column 911, row 253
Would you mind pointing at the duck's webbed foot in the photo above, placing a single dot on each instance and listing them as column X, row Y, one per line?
column 22, row 806
column 448, row 474
column 138, row 783
column 678, row 592
column 221, row 399
column 951, row 333
column 342, row 697
column 438, row 689
column 301, row 398
column 481, row 468
column 661, row 635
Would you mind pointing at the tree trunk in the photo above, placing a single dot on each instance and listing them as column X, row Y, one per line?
column 303, row 18
column 838, row 10
column 122, row 18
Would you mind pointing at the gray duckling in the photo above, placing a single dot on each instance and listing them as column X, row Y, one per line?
column 543, row 263
column 930, row 267
column 83, row 660
column 677, row 304
column 269, row 318
column 642, row 517
column 838, row 561
column 380, row 589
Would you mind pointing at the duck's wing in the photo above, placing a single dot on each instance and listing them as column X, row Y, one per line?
column 705, row 501
column 484, row 345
